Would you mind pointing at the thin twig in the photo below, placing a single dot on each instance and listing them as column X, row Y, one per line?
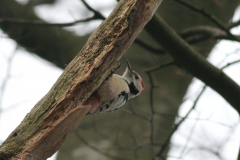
column 211, row 17
column 149, row 47
column 152, row 108
column 7, row 77
column 197, row 34
column 134, row 113
column 152, row 86
column 195, row 119
column 189, row 137
column 96, row 13
column 42, row 23
column 160, row 67
column 180, row 122
column 135, row 152
column 166, row 143
column 230, row 63
column 234, row 24
column 227, row 138
column 96, row 149
column 191, row 35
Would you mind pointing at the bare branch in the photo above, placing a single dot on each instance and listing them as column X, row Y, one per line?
column 151, row 118
column 149, row 47
column 199, row 33
column 96, row 149
column 97, row 14
column 176, row 126
column 234, row 24
column 160, row 67
column 192, row 35
column 135, row 114
column 195, row 119
column 230, row 63
column 7, row 78
column 227, row 137
column 42, row 23
column 189, row 137
column 210, row 16
column 193, row 62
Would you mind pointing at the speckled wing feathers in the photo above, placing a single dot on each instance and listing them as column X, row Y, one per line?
column 114, row 94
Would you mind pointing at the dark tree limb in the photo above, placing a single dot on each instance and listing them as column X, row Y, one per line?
column 193, row 62
column 45, row 128
column 192, row 35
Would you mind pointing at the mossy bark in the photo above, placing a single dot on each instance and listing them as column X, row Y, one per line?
column 45, row 128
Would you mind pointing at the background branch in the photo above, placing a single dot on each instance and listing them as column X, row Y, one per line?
column 212, row 17
column 193, row 62
column 234, row 24
column 197, row 34
column 97, row 15
column 176, row 126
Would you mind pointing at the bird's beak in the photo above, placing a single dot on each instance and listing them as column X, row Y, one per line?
column 129, row 66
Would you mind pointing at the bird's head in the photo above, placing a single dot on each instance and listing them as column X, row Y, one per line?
column 134, row 80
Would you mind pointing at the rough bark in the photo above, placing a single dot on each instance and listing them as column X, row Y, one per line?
column 170, row 85
column 60, row 111
column 60, row 47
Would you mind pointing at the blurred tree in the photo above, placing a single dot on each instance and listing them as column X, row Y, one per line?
column 140, row 129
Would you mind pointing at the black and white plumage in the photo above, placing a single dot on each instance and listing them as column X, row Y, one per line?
column 116, row 90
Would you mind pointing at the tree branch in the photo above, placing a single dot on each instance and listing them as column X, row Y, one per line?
column 193, row 62
column 26, row 22
column 97, row 15
column 176, row 126
column 192, row 35
column 53, row 44
column 234, row 24
column 213, row 18
column 199, row 33
column 150, row 48
column 60, row 110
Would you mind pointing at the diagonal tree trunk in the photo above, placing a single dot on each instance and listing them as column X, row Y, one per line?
column 45, row 128
column 172, row 82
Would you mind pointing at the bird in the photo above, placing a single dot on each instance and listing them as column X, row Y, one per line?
column 115, row 91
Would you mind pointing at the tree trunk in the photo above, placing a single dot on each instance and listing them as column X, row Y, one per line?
column 45, row 128
column 172, row 82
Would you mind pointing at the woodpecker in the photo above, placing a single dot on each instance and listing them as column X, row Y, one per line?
column 115, row 91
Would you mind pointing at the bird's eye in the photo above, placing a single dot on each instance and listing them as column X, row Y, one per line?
column 136, row 77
